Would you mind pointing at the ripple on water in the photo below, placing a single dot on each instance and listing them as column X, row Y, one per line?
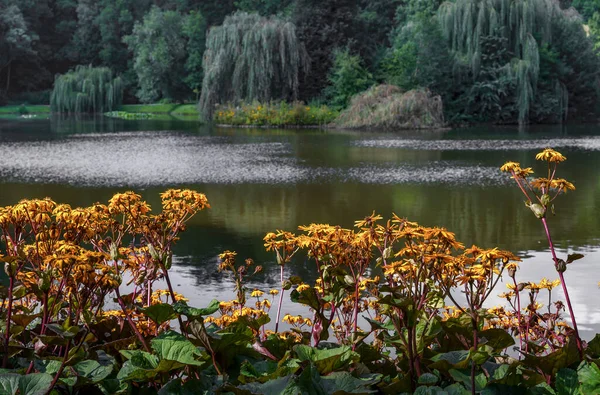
column 140, row 159
column 586, row 143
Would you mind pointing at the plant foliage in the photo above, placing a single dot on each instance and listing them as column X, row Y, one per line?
column 86, row 89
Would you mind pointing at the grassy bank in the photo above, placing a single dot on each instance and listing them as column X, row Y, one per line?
column 25, row 109
column 177, row 109
column 274, row 114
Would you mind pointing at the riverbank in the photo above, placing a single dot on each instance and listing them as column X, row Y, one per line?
column 25, row 109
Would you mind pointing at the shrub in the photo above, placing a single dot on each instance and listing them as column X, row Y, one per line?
column 387, row 107
column 347, row 77
column 274, row 114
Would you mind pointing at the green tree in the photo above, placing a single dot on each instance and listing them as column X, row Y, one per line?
column 418, row 57
column 86, row 89
column 323, row 26
column 347, row 78
column 251, row 57
column 16, row 39
column 264, row 7
column 159, row 52
column 194, row 29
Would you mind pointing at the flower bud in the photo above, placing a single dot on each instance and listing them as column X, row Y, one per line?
column 560, row 265
column 114, row 251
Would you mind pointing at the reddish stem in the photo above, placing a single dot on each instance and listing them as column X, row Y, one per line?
column 280, row 302
column 8, row 317
column 564, row 287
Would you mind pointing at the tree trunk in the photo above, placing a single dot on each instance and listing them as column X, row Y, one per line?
column 7, row 79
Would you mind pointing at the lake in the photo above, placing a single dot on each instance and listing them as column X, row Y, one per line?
column 259, row 180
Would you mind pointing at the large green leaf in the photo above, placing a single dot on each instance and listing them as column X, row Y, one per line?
column 35, row 384
column 160, row 313
column 593, row 348
column 112, row 386
column 327, row 360
column 339, row 383
column 172, row 346
column 192, row 312
column 428, row 379
column 93, row 371
column 567, row 382
column 453, row 359
column 141, row 366
column 464, row 376
column 498, row 339
column 589, row 377
column 553, row 362
column 9, row 383
column 207, row 385
column 306, row 383
column 426, row 390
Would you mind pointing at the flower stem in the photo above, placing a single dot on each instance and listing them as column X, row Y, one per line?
column 280, row 302
column 564, row 287
column 8, row 317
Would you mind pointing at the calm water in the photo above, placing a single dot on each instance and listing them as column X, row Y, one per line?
column 260, row 180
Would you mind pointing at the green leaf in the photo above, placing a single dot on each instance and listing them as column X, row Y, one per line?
column 24, row 319
column 425, row 390
column 205, row 386
column 498, row 339
column 464, row 376
column 428, row 379
column 192, row 312
column 589, row 377
column 553, row 362
column 112, row 386
column 160, row 313
column 35, row 384
column 452, row 359
column 593, row 348
column 47, row 366
column 173, row 346
column 66, row 334
column 9, row 383
column 93, row 370
column 567, row 382
column 542, row 389
column 141, row 366
column 376, row 325
column 327, row 360
column 339, row 383
column 456, row 389
column 307, row 297
column 574, row 257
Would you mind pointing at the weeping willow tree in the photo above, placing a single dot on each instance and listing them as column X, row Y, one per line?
column 466, row 22
column 251, row 57
column 86, row 89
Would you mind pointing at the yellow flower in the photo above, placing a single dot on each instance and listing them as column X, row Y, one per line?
column 562, row 185
column 547, row 284
column 550, row 155
column 302, row 287
column 274, row 292
column 257, row 293
column 510, row 166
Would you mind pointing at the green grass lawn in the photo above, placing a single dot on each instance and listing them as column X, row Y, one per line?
column 31, row 109
column 183, row 109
